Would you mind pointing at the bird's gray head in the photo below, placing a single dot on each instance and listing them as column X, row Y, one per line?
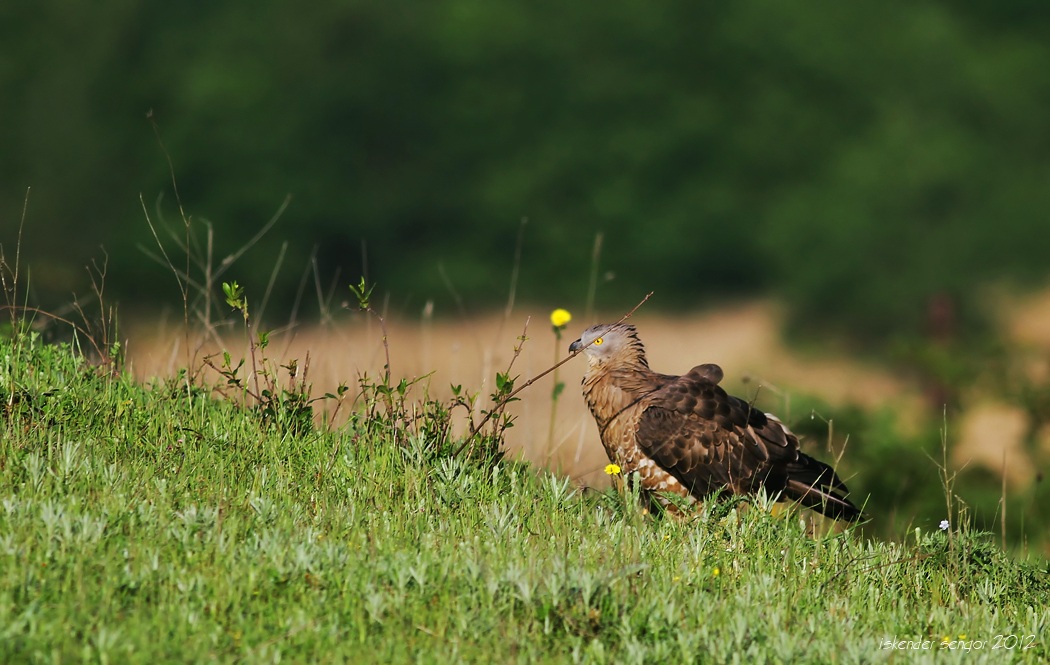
column 608, row 339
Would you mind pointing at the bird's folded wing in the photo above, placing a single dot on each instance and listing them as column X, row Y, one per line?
column 707, row 438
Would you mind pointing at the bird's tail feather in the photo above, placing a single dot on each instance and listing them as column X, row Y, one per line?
column 815, row 485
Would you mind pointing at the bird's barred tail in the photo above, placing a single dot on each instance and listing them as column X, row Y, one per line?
column 815, row 485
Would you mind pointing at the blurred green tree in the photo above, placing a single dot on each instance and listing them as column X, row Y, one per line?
column 859, row 160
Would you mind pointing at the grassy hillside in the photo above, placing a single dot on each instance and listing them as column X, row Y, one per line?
column 166, row 523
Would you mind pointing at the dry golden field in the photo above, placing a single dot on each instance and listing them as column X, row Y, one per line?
column 745, row 340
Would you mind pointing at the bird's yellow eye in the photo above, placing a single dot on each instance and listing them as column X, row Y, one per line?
column 598, row 342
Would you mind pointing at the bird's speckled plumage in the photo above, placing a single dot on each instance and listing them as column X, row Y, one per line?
column 685, row 436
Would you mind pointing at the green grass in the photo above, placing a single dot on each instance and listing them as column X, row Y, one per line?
column 158, row 524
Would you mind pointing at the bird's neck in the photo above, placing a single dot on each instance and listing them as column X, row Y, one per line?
column 609, row 388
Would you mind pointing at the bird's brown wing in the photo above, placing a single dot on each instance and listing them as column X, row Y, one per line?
column 709, row 440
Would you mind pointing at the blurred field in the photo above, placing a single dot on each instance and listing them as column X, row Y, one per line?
column 744, row 340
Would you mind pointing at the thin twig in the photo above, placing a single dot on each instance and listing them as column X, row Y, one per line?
column 18, row 254
column 182, row 213
column 592, row 287
column 35, row 310
column 517, row 352
column 514, row 271
column 507, row 398
column 163, row 252
column 273, row 279
column 228, row 262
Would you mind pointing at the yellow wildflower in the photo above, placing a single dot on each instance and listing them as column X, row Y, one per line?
column 612, row 469
column 560, row 318
column 716, row 572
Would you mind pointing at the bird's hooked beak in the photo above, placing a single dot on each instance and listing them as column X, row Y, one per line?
column 575, row 346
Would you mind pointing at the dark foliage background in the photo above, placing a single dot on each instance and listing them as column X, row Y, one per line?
column 860, row 160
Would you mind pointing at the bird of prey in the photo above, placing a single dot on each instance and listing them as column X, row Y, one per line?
column 685, row 436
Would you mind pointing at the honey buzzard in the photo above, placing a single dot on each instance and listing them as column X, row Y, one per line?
column 686, row 436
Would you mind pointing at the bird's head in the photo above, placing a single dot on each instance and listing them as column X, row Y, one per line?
column 607, row 340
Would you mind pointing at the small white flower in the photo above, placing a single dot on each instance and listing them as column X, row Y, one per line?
column 944, row 525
